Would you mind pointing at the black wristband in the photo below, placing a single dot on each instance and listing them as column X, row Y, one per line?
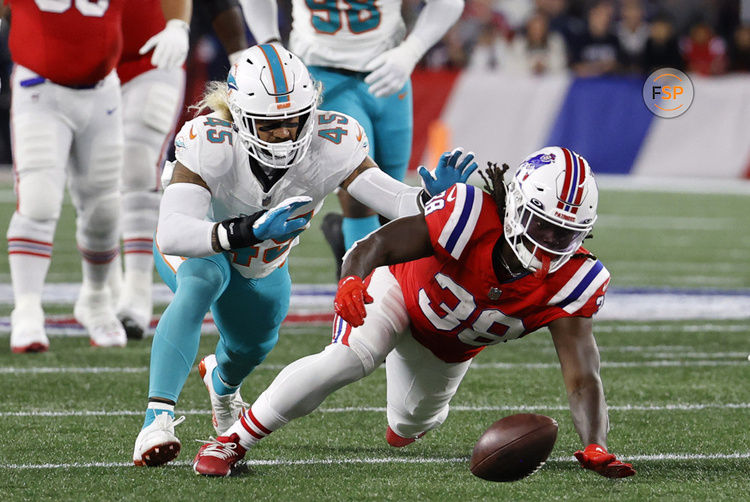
column 424, row 197
column 240, row 231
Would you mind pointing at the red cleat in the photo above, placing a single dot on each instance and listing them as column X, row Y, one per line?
column 397, row 441
column 217, row 456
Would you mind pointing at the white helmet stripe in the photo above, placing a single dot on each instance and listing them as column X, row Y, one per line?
column 462, row 221
column 579, row 289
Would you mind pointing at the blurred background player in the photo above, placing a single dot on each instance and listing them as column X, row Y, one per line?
column 258, row 168
column 357, row 50
column 153, row 84
column 156, row 36
column 489, row 267
column 66, row 123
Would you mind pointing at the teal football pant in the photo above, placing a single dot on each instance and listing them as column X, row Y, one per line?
column 247, row 313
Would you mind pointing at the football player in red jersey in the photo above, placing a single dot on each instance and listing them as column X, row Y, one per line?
column 66, row 124
column 153, row 83
column 477, row 269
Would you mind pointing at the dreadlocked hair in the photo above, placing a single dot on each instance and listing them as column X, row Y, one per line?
column 494, row 185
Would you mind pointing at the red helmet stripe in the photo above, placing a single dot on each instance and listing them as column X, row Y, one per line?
column 581, row 179
column 568, row 179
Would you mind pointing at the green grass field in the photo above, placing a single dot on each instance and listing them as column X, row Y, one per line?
column 677, row 390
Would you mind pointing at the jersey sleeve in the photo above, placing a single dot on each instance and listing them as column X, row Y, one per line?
column 583, row 294
column 344, row 143
column 453, row 219
column 204, row 146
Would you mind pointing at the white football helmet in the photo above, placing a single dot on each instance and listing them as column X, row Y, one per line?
column 270, row 83
column 550, row 207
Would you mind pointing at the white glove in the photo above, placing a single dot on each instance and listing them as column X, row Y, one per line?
column 392, row 69
column 170, row 45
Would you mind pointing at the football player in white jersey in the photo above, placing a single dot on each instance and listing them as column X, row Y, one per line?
column 359, row 51
column 247, row 180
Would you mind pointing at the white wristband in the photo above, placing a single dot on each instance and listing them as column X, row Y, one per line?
column 179, row 23
column 221, row 233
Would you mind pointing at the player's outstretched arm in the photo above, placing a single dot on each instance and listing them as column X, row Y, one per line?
column 399, row 241
column 394, row 199
column 579, row 361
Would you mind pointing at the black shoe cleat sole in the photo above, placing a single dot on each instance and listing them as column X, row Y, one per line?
column 132, row 330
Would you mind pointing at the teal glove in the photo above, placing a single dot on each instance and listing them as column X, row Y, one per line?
column 447, row 173
column 276, row 223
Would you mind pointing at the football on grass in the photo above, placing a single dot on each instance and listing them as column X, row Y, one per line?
column 513, row 447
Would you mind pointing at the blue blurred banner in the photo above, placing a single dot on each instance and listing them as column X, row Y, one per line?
column 504, row 117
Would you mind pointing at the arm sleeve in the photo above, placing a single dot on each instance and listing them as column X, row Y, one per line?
column 183, row 229
column 385, row 195
column 435, row 19
column 262, row 17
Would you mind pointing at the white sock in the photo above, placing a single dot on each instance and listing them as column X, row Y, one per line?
column 256, row 423
column 29, row 254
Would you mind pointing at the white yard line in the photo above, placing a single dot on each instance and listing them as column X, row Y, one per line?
column 384, row 460
column 380, row 409
column 11, row 370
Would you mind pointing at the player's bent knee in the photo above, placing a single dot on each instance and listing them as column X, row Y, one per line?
column 139, row 172
column 100, row 214
column 411, row 425
column 252, row 355
column 38, row 197
column 160, row 106
column 201, row 276
column 364, row 361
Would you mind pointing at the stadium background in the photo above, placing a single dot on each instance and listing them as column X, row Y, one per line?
column 673, row 230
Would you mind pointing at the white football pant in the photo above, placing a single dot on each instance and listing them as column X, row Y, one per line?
column 152, row 104
column 420, row 386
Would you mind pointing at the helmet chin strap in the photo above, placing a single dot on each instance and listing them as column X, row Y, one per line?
column 541, row 272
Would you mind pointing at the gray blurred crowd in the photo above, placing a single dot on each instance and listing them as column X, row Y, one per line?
column 596, row 37
column 528, row 37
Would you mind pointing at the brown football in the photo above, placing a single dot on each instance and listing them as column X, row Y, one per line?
column 513, row 447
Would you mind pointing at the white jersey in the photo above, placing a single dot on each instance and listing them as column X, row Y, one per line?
column 345, row 33
column 209, row 147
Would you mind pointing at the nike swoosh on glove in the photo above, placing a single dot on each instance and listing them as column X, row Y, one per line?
column 170, row 45
column 447, row 173
column 350, row 300
column 277, row 223
column 598, row 459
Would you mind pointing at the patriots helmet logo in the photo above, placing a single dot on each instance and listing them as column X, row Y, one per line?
column 535, row 162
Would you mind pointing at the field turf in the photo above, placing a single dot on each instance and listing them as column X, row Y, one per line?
column 677, row 390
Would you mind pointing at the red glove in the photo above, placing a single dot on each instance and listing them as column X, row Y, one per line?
column 597, row 459
column 350, row 300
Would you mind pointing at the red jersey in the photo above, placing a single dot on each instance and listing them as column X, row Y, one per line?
column 141, row 20
column 455, row 302
column 69, row 42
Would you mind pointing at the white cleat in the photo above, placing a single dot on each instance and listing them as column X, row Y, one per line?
column 27, row 326
column 94, row 311
column 156, row 444
column 226, row 410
